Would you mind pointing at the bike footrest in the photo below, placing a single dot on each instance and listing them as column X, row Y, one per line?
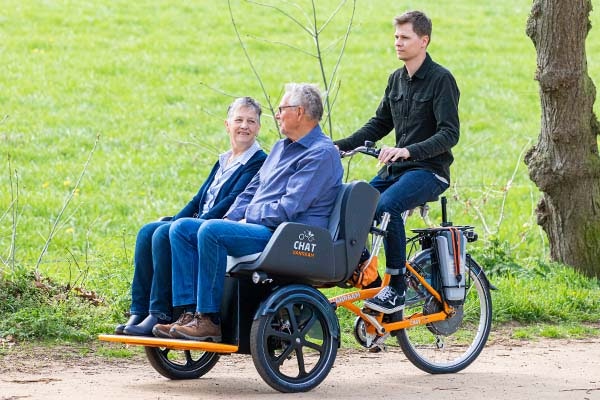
column 176, row 344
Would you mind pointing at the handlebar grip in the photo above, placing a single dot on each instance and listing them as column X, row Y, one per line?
column 368, row 150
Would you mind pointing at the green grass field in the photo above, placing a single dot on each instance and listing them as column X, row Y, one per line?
column 152, row 80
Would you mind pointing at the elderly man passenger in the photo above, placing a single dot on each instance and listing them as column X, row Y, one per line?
column 298, row 182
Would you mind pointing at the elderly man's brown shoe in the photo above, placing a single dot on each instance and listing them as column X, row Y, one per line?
column 162, row 330
column 200, row 328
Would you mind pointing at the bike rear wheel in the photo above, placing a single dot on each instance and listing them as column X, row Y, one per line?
column 451, row 345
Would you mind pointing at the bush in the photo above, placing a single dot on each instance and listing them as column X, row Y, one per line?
column 33, row 307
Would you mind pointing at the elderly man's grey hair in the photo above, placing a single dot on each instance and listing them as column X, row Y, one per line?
column 308, row 96
column 247, row 102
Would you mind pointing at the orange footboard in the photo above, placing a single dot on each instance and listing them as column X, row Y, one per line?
column 177, row 344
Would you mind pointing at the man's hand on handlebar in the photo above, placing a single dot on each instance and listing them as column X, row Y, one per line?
column 385, row 155
column 390, row 154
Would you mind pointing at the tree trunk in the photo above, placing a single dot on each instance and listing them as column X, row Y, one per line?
column 564, row 164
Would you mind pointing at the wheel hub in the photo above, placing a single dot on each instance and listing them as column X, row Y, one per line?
column 449, row 325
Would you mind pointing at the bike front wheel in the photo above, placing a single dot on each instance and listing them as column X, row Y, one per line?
column 451, row 345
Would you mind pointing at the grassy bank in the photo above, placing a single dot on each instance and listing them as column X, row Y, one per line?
column 150, row 80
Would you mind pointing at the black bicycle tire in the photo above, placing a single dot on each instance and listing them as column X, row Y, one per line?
column 413, row 355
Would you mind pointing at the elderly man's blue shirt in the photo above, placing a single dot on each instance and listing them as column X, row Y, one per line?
column 298, row 182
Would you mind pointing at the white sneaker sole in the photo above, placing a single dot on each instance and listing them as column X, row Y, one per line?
column 375, row 307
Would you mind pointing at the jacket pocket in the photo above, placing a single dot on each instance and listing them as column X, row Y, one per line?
column 396, row 104
column 422, row 105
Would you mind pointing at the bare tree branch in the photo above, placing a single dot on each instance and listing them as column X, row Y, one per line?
column 281, row 11
column 335, row 12
column 65, row 204
column 322, row 68
column 337, row 90
column 262, row 86
column 314, row 31
column 308, row 53
column 214, row 89
column 14, row 194
column 339, row 60
column 509, row 184
column 333, row 44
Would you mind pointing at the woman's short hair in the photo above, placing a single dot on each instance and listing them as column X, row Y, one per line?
column 247, row 102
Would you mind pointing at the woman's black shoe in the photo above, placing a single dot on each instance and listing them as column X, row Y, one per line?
column 144, row 328
column 133, row 320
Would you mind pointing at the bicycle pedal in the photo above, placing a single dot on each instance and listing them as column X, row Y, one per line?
column 393, row 317
column 379, row 344
column 378, row 349
column 368, row 311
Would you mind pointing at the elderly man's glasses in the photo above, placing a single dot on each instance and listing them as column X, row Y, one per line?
column 281, row 108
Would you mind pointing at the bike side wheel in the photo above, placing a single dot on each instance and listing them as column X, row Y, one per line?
column 292, row 346
column 181, row 364
column 453, row 345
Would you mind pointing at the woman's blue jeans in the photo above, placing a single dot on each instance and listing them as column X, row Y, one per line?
column 151, row 285
column 184, row 242
column 215, row 240
column 399, row 194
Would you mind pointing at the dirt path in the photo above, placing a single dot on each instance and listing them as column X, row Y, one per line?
column 547, row 369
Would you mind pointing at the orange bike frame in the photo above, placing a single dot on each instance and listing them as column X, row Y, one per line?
column 376, row 324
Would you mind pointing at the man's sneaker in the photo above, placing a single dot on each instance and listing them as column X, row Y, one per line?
column 162, row 330
column 387, row 301
column 200, row 328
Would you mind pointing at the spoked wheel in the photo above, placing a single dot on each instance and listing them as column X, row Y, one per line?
column 181, row 364
column 453, row 344
column 294, row 342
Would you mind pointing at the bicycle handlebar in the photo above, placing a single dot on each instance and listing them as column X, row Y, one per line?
column 368, row 149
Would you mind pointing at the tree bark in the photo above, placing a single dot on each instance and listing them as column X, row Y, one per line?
column 564, row 164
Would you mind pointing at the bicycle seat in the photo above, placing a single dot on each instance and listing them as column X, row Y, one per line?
column 315, row 255
column 423, row 209
column 431, row 200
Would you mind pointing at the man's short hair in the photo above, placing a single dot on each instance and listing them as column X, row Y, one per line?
column 420, row 22
column 308, row 96
column 247, row 102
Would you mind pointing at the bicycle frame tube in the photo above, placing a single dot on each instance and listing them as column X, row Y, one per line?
column 376, row 323
column 347, row 301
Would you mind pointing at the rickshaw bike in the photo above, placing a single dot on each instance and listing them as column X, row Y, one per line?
column 273, row 308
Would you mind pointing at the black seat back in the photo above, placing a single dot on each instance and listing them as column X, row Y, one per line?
column 356, row 218
column 315, row 255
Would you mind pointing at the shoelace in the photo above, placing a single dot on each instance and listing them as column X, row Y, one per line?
column 385, row 294
column 182, row 317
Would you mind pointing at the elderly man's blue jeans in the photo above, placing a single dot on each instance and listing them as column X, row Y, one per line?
column 399, row 194
column 216, row 240
column 151, row 286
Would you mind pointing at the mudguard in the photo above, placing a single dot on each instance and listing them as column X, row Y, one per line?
column 300, row 292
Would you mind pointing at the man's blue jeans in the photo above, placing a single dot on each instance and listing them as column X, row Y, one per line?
column 399, row 194
column 216, row 240
column 151, row 286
